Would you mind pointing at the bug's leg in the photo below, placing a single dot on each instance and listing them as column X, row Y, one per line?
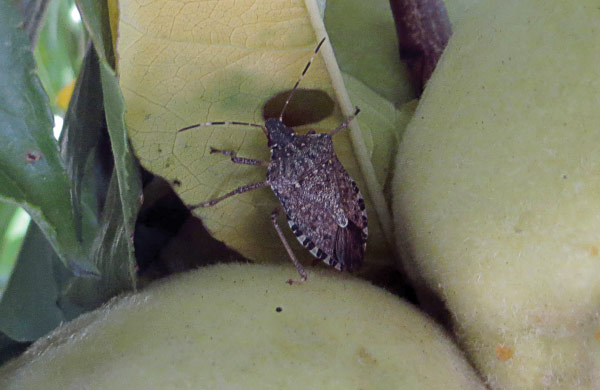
column 345, row 123
column 239, row 190
column 239, row 160
column 301, row 271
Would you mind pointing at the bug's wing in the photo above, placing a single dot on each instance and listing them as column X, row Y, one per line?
column 324, row 220
column 350, row 246
column 309, row 212
column 351, row 200
column 351, row 240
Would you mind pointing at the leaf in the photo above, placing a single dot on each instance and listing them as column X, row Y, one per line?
column 127, row 168
column 13, row 225
column 382, row 126
column 83, row 130
column 95, row 17
column 182, row 65
column 31, row 171
column 126, row 165
column 110, row 253
column 363, row 37
column 28, row 308
column 33, row 14
column 91, row 166
column 7, row 210
column 38, row 282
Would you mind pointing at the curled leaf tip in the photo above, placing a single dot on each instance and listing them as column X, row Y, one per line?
column 84, row 269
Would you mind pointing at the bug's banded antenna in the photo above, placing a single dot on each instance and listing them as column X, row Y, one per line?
column 224, row 123
column 300, row 79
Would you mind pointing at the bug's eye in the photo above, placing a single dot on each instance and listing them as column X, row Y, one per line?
column 307, row 106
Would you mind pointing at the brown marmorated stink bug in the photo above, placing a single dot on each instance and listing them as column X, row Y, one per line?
column 323, row 205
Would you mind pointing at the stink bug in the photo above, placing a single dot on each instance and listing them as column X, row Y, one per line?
column 323, row 205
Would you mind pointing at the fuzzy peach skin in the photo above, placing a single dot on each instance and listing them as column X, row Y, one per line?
column 497, row 191
column 242, row 327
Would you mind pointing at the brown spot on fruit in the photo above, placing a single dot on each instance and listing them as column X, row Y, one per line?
column 503, row 353
column 365, row 358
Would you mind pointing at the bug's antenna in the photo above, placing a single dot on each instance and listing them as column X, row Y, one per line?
column 223, row 123
column 300, row 79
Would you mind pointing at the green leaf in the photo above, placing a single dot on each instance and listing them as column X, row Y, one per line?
column 382, row 126
column 32, row 173
column 37, row 271
column 28, row 308
column 7, row 210
column 95, row 15
column 33, row 15
column 41, row 293
column 126, row 165
column 14, row 221
column 111, row 247
column 110, row 253
column 82, row 134
column 363, row 36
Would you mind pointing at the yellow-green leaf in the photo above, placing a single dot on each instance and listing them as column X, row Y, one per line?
column 186, row 63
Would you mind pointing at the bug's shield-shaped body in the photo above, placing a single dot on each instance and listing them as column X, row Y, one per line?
column 324, row 207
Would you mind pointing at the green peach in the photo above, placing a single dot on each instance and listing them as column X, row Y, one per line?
column 242, row 327
column 497, row 191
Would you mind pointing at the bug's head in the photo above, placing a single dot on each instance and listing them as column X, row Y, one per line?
column 278, row 133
